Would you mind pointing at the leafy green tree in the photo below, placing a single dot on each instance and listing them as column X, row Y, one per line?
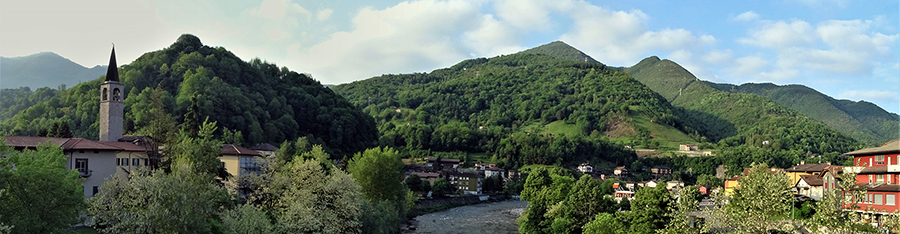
column 200, row 153
column 624, row 204
column 580, row 206
column 649, row 209
column 413, row 182
column 709, row 180
column 606, row 187
column 246, row 218
column 492, row 184
column 442, row 187
column 39, row 194
column 314, row 200
column 830, row 211
column 379, row 173
column 756, row 206
column 605, row 223
column 681, row 221
column 155, row 202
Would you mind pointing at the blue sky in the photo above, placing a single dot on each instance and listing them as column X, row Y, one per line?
column 845, row 49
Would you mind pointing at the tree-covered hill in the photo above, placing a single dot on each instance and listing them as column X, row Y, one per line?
column 45, row 69
column 864, row 121
column 560, row 49
column 739, row 119
column 477, row 104
column 262, row 101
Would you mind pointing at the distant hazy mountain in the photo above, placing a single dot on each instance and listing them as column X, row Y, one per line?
column 45, row 69
column 861, row 120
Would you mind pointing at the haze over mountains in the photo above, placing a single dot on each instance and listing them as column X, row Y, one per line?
column 45, row 69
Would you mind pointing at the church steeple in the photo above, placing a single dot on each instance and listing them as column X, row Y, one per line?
column 112, row 103
column 112, row 72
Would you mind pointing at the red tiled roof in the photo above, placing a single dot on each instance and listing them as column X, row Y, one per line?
column 812, row 180
column 229, row 149
column 32, row 142
column 807, row 168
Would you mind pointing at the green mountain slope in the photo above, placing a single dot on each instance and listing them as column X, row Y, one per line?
column 264, row 102
column 560, row 49
column 738, row 118
column 862, row 120
column 45, row 69
column 497, row 104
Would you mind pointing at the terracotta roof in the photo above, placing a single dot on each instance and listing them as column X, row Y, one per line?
column 891, row 147
column 229, row 149
column 32, row 142
column 71, row 143
column 807, row 168
column 812, row 180
column 835, row 170
column 264, row 147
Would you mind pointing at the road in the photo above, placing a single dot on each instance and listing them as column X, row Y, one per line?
column 496, row 217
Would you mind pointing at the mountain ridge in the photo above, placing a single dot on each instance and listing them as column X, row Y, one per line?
column 44, row 69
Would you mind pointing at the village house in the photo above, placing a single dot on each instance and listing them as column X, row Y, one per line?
column 660, row 171
column 586, row 168
column 429, row 176
column 623, row 193
column 686, row 147
column 620, row 171
column 239, row 161
column 468, row 183
column 795, row 172
column 445, row 162
column 810, row 186
column 483, row 166
column 491, row 171
column 734, row 182
column 879, row 174
column 673, row 185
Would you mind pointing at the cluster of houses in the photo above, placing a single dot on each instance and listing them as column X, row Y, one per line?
column 468, row 180
column 627, row 188
column 877, row 172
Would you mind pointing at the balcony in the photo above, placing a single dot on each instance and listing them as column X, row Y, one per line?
column 84, row 172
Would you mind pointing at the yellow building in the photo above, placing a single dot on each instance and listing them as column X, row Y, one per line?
column 795, row 172
column 239, row 161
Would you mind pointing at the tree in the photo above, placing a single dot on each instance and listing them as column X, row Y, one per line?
column 649, row 209
column 709, row 180
column 200, row 153
column 39, row 194
column 755, row 207
column 681, row 221
column 246, row 218
column 830, row 210
column 413, row 182
column 155, row 202
column 379, row 173
column 581, row 205
column 442, row 187
column 492, row 184
column 605, row 223
column 607, row 186
column 315, row 200
column 624, row 204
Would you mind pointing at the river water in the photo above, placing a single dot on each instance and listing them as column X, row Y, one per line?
column 496, row 217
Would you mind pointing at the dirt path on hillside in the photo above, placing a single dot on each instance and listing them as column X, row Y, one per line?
column 496, row 217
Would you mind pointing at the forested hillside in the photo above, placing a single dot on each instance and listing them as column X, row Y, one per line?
column 861, row 120
column 755, row 126
column 261, row 101
column 45, row 69
column 472, row 104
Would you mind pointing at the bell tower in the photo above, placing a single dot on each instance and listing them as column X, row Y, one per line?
column 112, row 103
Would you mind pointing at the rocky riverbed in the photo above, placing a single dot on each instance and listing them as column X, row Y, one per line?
column 495, row 217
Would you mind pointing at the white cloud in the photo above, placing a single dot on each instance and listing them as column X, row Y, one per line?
column 747, row 16
column 749, row 65
column 492, row 37
column 870, row 95
column 324, row 14
column 780, row 34
column 279, row 9
column 524, row 14
column 408, row 37
column 717, row 57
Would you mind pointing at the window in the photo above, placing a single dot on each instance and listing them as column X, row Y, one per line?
column 81, row 164
column 104, row 94
column 118, row 162
column 878, row 198
column 879, row 178
column 879, row 157
column 146, row 162
column 889, row 199
column 136, row 161
column 116, row 94
column 124, row 161
column 96, row 190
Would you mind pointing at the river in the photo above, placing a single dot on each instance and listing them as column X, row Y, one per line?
column 495, row 217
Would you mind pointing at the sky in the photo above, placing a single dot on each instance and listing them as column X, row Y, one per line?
column 845, row 49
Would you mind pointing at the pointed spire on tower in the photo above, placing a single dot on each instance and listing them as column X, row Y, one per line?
column 112, row 72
